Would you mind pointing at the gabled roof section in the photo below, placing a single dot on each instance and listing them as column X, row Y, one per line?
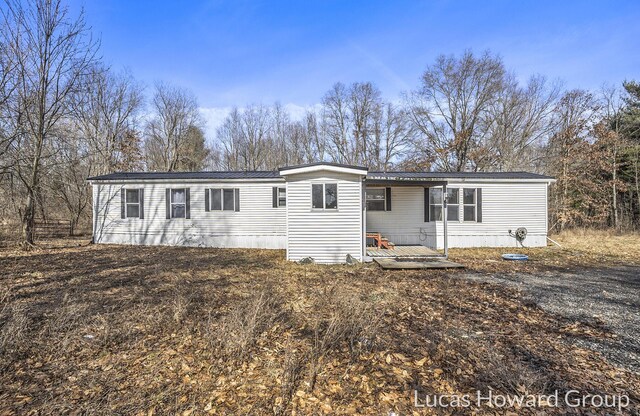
column 320, row 166
column 220, row 175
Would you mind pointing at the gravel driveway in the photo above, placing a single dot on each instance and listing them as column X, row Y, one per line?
column 610, row 296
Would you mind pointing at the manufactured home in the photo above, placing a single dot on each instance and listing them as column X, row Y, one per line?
column 325, row 211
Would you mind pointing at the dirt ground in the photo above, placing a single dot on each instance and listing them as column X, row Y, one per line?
column 169, row 330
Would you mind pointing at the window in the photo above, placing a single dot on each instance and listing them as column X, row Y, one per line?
column 317, row 200
column 216, row 199
column 324, row 196
column 453, row 204
column 227, row 200
column 376, row 199
column 469, row 200
column 178, row 203
column 435, row 204
column 222, row 199
column 282, row 197
column 132, row 198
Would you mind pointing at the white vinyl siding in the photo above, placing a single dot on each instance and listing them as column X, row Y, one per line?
column 505, row 206
column 326, row 235
column 256, row 225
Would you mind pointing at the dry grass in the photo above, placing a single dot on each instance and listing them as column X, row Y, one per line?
column 340, row 319
column 604, row 243
column 238, row 331
column 579, row 248
column 167, row 330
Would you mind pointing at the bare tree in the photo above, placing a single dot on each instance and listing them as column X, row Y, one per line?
column 613, row 107
column 67, row 170
column 52, row 53
column 450, row 105
column 569, row 156
column 175, row 114
column 365, row 108
column 305, row 142
column 518, row 123
column 335, row 124
column 8, row 85
column 106, row 112
column 393, row 132
column 360, row 128
column 195, row 151
column 247, row 138
column 229, row 138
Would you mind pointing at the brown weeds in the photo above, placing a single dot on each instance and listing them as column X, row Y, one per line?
column 244, row 332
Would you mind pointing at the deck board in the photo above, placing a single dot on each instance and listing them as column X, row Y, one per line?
column 402, row 251
column 434, row 263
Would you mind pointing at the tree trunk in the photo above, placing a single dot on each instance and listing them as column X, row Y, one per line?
column 28, row 219
column 614, row 188
column 637, row 177
column 29, row 216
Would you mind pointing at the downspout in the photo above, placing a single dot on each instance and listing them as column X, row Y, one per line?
column 444, row 219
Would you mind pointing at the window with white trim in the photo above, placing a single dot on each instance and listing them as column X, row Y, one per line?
column 376, row 199
column 222, row 199
column 179, row 203
column 470, row 204
column 282, row 197
column 324, row 196
column 132, row 200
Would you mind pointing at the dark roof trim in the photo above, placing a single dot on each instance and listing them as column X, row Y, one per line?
column 372, row 177
column 308, row 165
column 455, row 175
column 234, row 175
column 416, row 182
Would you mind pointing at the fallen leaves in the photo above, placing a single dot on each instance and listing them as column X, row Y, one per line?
column 436, row 333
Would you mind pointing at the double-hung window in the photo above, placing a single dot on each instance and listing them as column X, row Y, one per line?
column 453, row 204
column 179, row 203
column 470, row 204
column 324, row 196
column 435, row 204
column 223, row 199
column 376, row 199
column 282, row 197
column 133, row 203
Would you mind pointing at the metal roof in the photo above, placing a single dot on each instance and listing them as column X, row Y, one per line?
column 338, row 165
column 455, row 175
column 269, row 174
column 129, row 176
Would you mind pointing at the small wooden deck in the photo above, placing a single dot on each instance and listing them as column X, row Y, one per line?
column 416, row 263
column 403, row 251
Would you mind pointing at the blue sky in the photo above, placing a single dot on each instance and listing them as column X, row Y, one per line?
column 232, row 53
